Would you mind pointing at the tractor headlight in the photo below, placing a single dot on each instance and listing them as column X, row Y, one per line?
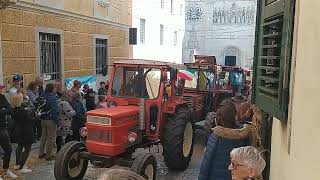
column 83, row 132
column 132, row 136
column 99, row 120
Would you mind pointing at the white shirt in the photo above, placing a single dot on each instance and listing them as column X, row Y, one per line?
column 12, row 91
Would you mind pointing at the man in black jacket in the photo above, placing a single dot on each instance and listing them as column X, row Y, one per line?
column 4, row 137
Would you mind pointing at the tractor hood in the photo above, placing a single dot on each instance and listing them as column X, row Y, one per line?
column 115, row 112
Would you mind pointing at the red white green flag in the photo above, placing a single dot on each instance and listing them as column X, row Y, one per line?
column 188, row 74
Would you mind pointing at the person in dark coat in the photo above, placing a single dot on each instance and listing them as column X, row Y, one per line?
column 224, row 138
column 39, row 82
column 4, row 137
column 90, row 100
column 49, row 122
column 24, row 129
column 79, row 120
column 102, row 90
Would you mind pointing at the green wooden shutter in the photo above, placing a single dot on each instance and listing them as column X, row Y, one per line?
column 273, row 56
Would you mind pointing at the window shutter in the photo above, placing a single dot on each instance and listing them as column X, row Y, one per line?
column 133, row 36
column 273, row 56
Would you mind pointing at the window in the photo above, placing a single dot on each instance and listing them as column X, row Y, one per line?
column 101, row 55
column 142, row 30
column 175, row 38
column 171, row 6
column 133, row 36
column 162, row 4
column 137, row 82
column 50, row 56
column 273, row 57
column 161, row 34
column 230, row 60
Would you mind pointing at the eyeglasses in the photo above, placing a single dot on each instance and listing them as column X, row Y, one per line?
column 235, row 165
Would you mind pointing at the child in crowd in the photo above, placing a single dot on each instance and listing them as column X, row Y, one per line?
column 90, row 100
column 102, row 102
column 85, row 90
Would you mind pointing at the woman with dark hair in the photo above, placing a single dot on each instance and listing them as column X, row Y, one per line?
column 224, row 138
column 49, row 122
column 79, row 119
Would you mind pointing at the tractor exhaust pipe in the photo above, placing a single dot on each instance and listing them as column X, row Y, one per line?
column 142, row 112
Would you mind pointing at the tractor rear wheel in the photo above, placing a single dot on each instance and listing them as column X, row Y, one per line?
column 69, row 165
column 145, row 165
column 178, row 140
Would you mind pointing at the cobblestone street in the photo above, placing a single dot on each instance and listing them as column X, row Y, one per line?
column 43, row 170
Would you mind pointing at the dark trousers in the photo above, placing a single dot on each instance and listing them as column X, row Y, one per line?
column 6, row 147
column 76, row 135
column 38, row 129
column 59, row 141
column 21, row 157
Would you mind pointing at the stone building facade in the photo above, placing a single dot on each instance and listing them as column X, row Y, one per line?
column 222, row 28
column 62, row 38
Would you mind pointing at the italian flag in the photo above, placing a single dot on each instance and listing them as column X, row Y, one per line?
column 188, row 74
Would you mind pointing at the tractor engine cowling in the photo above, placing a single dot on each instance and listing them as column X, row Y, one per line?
column 110, row 131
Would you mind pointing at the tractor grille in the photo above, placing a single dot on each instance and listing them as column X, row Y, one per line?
column 99, row 120
column 189, row 101
column 199, row 104
column 98, row 135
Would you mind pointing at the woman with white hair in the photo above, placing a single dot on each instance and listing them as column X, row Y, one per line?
column 246, row 163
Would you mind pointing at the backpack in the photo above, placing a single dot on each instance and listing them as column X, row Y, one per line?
column 43, row 108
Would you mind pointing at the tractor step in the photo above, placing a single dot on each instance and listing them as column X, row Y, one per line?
column 200, row 124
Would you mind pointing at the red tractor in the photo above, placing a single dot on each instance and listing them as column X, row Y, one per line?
column 208, row 86
column 147, row 109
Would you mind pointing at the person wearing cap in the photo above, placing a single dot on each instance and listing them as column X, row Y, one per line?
column 4, row 137
column 90, row 100
column 17, row 79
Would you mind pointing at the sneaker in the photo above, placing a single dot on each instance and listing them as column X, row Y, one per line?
column 25, row 170
column 10, row 174
column 17, row 167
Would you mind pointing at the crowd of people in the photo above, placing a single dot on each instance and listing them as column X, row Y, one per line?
column 53, row 115
column 228, row 154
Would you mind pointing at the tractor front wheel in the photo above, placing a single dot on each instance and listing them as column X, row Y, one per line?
column 69, row 165
column 178, row 140
column 145, row 165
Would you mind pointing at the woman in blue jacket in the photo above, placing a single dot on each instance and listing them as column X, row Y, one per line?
column 224, row 138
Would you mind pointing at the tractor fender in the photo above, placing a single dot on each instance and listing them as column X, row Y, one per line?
column 170, row 107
